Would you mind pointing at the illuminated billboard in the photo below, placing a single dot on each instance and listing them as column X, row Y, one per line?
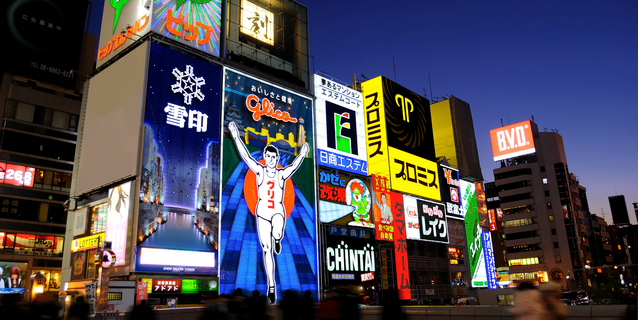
column 512, row 141
column 16, row 175
column 425, row 220
column 193, row 23
column 257, row 22
column 13, row 277
column 117, row 220
column 400, row 247
column 340, row 127
column 344, row 199
column 268, row 219
column 87, row 243
column 450, row 191
column 473, row 233
column 488, row 254
column 399, row 138
column 178, row 220
column 383, row 218
column 349, row 260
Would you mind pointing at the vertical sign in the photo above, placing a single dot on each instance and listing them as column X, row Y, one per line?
column 488, row 253
column 340, row 127
column 141, row 292
column 384, row 269
column 117, row 217
column 90, row 291
column 450, row 191
column 491, row 216
column 383, row 218
column 268, row 221
column 473, row 233
column 400, row 247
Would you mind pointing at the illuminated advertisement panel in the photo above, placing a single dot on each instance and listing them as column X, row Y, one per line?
column 344, row 199
column 450, row 186
column 400, row 247
column 425, row 220
column 512, row 141
column 399, row 138
column 491, row 215
column 383, row 218
column 473, row 233
column 340, row 127
column 13, row 277
column 268, row 222
column 117, row 220
column 196, row 24
column 349, row 260
column 257, row 22
column 488, row 253
column 123, row 23
column 178, row 220
column 16, row 175
column 87, row 243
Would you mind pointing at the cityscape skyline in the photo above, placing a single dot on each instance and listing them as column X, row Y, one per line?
column 559, row 63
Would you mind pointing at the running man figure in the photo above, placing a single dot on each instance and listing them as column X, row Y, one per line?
column 270, row 214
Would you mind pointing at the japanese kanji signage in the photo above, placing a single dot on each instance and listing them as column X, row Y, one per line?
column 383, row 218
column 426, row 220
column 257, row 22
column 399, row 138
column 179, row 165
column 340, row 127
column 123, row 22
column 344, row 199
column 141, row 292
column 488, row 253
column 473, row 232
column 450, row 191
column 400, row 247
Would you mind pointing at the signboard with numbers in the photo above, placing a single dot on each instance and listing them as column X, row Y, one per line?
column 340, row 126
column 16, row 175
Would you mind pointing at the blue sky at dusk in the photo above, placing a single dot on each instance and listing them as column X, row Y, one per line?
column 571, row 64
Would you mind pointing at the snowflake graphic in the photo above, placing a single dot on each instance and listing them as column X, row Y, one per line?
column 188, row 85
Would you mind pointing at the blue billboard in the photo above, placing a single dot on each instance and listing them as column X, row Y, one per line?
column 268, row 237
column 488, row 254
column 179, row 191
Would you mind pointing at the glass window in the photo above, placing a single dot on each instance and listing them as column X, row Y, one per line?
column 98, row 218
column 52, row 279
column 10, row 109
column 60, row 120
column 25, row 112
column 551, row 218
column 73, row 123
column 544, row 180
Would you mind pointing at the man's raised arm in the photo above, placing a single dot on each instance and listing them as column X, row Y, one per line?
column 241, row 148
column 288, row 171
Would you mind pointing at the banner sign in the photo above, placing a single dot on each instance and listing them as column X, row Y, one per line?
column 350, row 259
column 450, row 191
column 400, row 247
column 344, row 199
column 488, row 253
column 340, row 127
column 383, row 218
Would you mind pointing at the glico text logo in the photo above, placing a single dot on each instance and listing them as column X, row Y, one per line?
column 406, row 106
column 341, row 125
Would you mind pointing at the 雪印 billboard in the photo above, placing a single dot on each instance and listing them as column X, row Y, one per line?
column 513, row 140
column 268, row 221
column 399, row 138
column 425, row 220
column 344, row 199
column 340, row 127
column 473, row 233
column 194, row 23
column 450, row 191
column 179, row 188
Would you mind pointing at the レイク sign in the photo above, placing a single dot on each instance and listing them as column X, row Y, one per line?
column 512, row 141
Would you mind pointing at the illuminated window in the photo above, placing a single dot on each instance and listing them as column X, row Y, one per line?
column 544, row 180
column 518, row 222
column 549, row 205
column 551, row 218
column 557, row 258
column 98, row 218
column 523, row 261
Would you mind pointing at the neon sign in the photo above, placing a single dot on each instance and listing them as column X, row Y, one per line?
column 16, row 175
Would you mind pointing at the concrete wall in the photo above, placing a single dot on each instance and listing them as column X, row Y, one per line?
column 596, row 312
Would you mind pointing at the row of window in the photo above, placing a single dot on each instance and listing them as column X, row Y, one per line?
column 523, row 261
column 41, row 115
column 21, row 243
column 518, row 223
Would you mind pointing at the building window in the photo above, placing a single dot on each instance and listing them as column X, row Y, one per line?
column 544, row 180
column 553, row 231
column 523, row 261
column 557, row 258
column 517, row 223
column 549, row 205
column 542, row 168
column 98, row 218
column 555, row 245
column 547, row 193
column 551, row 218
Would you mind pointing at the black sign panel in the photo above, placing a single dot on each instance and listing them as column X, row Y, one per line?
column 349, row 260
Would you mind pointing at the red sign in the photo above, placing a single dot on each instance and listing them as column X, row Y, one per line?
column 380, row 183
column 491, row 216
column 565, row 212
column 400, row 247
column 141, row 292
column 166, row 285
column 367, row 276
column 16, row 175
column 512, row 141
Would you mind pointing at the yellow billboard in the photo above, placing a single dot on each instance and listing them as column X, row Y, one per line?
column 414, row 175
column 376, row 134
column 87, row 243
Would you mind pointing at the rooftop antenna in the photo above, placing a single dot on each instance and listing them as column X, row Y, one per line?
column 533, row 118
column 430, row 80
column 395, row 70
